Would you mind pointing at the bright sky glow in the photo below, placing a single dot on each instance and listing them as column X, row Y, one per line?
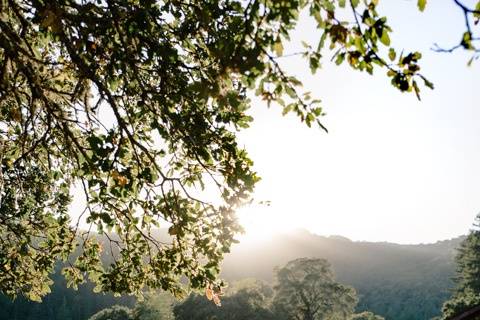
column 391, row 168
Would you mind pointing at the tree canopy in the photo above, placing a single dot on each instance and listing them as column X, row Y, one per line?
column 466, row 294
column 307, row 290
column 137, row 104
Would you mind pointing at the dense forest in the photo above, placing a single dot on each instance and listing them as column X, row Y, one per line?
column 398, row 282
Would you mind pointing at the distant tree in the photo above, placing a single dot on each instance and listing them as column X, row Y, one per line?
column 366, row 315
column 249, row 301
column 155, row 306
column 194, row 307
column 467, row 291
column 306, row 290
column 113, row 313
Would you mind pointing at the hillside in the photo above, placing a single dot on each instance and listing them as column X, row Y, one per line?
column 400, row 282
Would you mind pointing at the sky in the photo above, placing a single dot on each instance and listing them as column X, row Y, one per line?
column 391, row 168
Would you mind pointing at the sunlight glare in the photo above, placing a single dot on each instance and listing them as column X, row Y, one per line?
column 261, row 222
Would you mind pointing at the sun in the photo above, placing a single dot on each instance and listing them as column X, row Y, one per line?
column 261, row 222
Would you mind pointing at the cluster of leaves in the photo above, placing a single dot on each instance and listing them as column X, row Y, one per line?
column 137, row 104
column 34, row 228
column 363, row 40
column 467, row 291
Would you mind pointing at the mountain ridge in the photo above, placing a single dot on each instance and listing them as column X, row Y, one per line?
column 397, row 281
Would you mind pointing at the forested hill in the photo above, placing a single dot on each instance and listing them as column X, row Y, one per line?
column 399, row 282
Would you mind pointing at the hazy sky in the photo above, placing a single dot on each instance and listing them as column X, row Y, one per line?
column 391, row 168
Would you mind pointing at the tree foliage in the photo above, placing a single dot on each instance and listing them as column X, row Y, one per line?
column 137, row 104
column 467, row 291
column 307, row 290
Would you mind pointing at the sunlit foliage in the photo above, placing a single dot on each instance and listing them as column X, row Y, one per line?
column 137, row 104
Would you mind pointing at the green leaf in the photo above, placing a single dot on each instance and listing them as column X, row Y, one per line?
column 278, row 47
column 385, row 39
column 340, row 58
column 428, row 83
column 416, row 90
column 392, row 54
column 467, row 40
column 421, row 4
column 321, row 42
column 470, row 61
